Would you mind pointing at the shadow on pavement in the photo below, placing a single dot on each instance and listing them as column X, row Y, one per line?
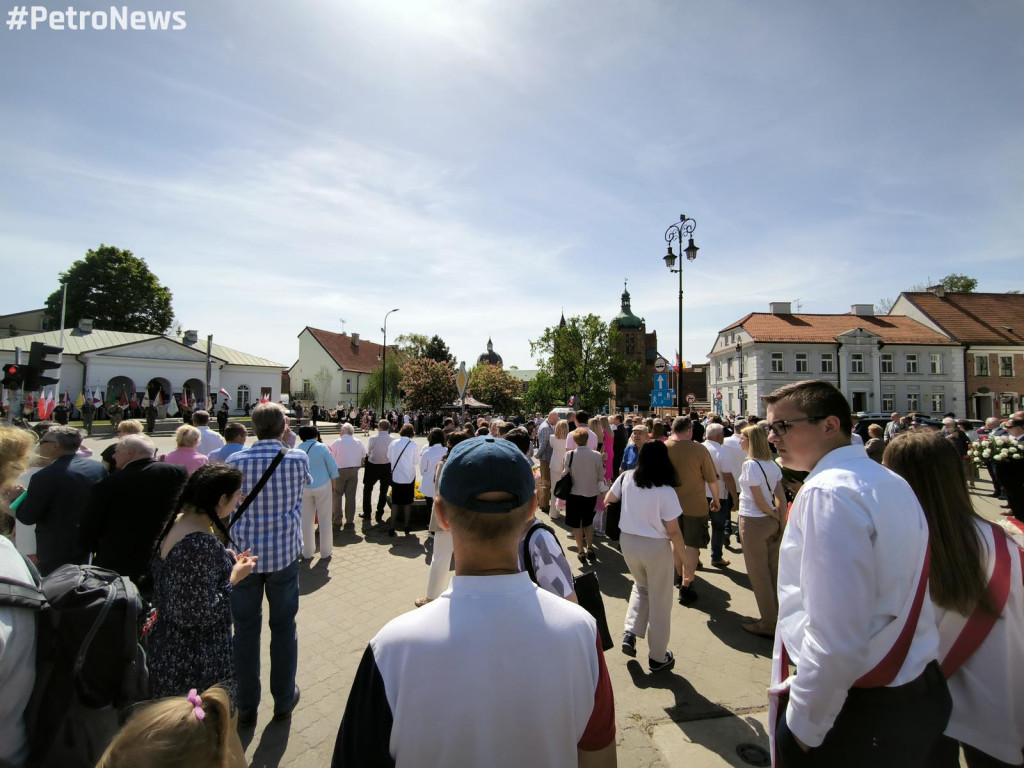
column 726, row 626
column 312, row 577
column 273, row 743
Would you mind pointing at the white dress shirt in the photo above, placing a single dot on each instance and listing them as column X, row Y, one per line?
column 209, row 441
column 723, row 464
column 348, row 452
column 849, row 566
column 404, row 460
column 429, row 460
column 988, row 705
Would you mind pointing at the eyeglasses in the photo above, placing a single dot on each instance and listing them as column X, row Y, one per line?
column 47, row 442
column 782, row 426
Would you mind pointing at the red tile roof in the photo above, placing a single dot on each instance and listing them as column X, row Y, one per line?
column 361, row 359
column 975, row 318
column 823, row 329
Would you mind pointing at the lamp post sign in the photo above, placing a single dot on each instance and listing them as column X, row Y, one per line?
column 691, row 398
column 661, row 395
column 660, row 364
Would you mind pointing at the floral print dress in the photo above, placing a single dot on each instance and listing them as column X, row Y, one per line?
column 190, row 641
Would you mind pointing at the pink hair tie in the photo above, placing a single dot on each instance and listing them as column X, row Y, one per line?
column 193, row 697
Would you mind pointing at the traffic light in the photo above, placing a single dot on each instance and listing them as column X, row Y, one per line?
column 38, row 364
column 13, row 375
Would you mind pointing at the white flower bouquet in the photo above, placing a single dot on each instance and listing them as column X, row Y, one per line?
column 996, row 449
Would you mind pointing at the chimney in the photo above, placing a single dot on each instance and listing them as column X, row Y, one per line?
column 191, row 337
column 355, row 340
column 862, row 310
column 938, row 290
column 781, row 308
column 85, row 325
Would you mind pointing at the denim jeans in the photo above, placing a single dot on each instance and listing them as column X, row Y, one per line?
column 282, row 589
column 718, row 521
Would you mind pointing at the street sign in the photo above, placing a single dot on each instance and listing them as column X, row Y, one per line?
column 660, row 364
column 691, row 398
column 739, row 392
column 462, row 379
column 661, row 381
column 662, row 398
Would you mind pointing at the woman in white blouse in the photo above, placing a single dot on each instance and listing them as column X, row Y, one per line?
column 557, row 441
column 762, row 518
column 652, row 545
column 974, row 579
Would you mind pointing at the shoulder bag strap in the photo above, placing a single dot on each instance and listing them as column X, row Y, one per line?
column 258, row 487
column 400, row 455
column 981, row 622
column 527, row 560
column 767, row 485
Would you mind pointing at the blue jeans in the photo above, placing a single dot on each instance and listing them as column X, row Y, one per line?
column 282, row 589
column 718, row 521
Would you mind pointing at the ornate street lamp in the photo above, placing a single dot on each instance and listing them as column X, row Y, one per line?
column 384, row 365
column 741, row 394
column 684, row 228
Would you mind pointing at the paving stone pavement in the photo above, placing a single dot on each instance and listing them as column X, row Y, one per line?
column 713, row 702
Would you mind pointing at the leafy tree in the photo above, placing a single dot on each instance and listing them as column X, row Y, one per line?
column 582, row 358
column 370, row 396
column 115, row 289
column 951, row 283
column 437, row 350
column 543, row 394
column 495, row 386
column 413, row 344
column 429, row 385
column 322, row 385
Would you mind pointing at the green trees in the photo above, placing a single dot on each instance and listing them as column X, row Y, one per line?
column 495, row 386
column 370, row 396
column 116, row 290
column 579, row 358
column 429, row 385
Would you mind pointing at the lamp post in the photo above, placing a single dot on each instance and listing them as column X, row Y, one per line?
column 683, row 228
column 384, row 365
column 741, row 394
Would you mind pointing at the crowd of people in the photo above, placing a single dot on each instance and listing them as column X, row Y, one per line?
column 900, row 608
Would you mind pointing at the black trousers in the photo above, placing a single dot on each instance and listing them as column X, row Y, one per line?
column 376, row 473
column 878, row 728
column 946, row 754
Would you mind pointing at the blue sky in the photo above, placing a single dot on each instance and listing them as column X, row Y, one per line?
column 484, row 166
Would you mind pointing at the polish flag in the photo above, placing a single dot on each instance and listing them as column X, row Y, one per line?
column 225, row 393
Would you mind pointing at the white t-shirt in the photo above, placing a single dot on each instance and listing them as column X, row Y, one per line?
column 645, row 510
column 723, row 459
column 428, row 466
column 17, row 662
column 750, row 477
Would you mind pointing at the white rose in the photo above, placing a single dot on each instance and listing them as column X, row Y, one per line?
column 987, row 454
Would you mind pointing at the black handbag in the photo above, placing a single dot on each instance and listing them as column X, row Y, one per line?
column 586, row 586
column 563, row 488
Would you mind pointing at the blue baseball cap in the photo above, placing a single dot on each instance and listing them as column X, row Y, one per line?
column 486, row 465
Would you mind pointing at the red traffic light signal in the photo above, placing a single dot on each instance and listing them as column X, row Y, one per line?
column 13, row 376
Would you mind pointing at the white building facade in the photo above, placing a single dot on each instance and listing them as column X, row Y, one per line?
column 881, row 364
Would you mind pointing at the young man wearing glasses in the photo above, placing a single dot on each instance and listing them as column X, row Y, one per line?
column 854, row 614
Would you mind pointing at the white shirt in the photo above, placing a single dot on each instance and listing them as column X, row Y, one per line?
column 723, row 464
column 750, row 476
column 557, row 462
column 849, row 566
column 570, row 444
column 17, row 662
column 209, row 441
column 429, row 460
column 856, row 439
column 404, row 460
column 348, row 452
column 645, row 510
column 988, row 707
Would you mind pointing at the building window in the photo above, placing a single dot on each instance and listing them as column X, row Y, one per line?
column 728, row 368
column 307, row 390
column 981, row 365
column 1006, row 403
column 1006, row 366
column 801, row 362
column 936, row 362
column 886, row 362
column 348, row 386
column 888, row 403
column 912, row 402
column 937, row 406
column 242, row 397
column 911, row 363
column 857, row 362
column 630, row 344
column 777, row 366
column 827, row 362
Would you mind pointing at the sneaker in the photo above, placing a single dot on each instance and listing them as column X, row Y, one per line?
column 629, row 643
column 687, row 596
column 662, row 666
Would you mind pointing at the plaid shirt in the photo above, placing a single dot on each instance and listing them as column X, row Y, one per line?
column 272, row 525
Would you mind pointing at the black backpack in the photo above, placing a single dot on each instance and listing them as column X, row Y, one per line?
column 89, row 664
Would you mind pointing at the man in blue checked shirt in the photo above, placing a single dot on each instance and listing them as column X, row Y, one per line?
column 271, row 529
